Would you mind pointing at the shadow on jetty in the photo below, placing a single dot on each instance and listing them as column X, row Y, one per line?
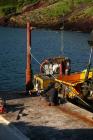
column 14, row 95
column 50, row 133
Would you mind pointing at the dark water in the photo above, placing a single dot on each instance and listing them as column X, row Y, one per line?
column 44, row 44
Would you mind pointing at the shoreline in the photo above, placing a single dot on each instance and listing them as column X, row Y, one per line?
column 46, row 28
column 83, row 26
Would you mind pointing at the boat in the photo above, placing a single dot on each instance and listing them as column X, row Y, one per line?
column 50, row 69
column 71, row 85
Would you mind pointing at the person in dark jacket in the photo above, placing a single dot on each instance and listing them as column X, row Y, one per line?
column 52, row 93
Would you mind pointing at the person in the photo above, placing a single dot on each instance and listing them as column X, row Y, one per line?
column 37, row 88
column 55, row 68
column 52, row 93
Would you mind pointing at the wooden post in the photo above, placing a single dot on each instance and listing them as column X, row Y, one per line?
column 29, row 84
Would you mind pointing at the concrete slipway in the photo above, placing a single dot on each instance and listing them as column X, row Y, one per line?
column 36, row 120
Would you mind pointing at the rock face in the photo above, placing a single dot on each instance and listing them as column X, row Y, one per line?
column 3, row 21
column 85, row 25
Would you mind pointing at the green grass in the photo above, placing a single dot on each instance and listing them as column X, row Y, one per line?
column 5, row 5
column 54, row 10
column 7, row 9
column 18, row 4
column 89, row 11
column 8, row 2
column 1, row 13
column 83, row 1
column 13, row 2
column 82, row 14
column 59, row 8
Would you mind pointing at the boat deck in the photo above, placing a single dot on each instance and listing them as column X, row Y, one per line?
column 71, row 80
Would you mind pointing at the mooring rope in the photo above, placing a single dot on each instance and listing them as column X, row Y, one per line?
column 83, row 101
column 62, row 37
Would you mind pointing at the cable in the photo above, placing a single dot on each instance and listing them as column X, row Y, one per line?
column 62, row 37
column 83, row 101
column 40, row 64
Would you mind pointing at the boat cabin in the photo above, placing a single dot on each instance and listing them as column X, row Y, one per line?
column 50, row 69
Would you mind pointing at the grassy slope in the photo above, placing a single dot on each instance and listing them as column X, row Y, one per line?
column 55, row 10
column 47, row 14
column 73, row 10
column 6, row 4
